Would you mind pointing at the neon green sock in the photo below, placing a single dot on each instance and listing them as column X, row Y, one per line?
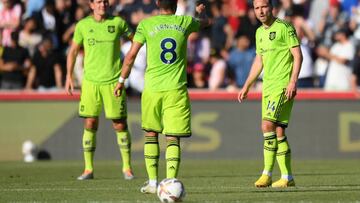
column 270, row 147
column 151, row 154
column 89, row 146
column 283, row 156
column 124, row 142
column 172, row 158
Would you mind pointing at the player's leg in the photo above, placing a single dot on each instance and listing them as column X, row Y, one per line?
column 151, row 155
column 172, row 156
column 89, row 108
column 283, row 157
column 151, row 123
column 177, row 123
column 271, row 106
column 283, row 154
column 116, row 110
column 124, row 142
column 270, row 147
column 89, row 146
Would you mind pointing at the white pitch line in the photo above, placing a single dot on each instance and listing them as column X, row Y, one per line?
column 245, row 188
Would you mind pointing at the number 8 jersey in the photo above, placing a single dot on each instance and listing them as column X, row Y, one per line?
column 166, row 43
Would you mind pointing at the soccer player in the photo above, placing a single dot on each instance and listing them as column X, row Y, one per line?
column 165, row 102
column 100, row 34
column 279, row 55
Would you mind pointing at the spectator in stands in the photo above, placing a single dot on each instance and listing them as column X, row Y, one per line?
column 221, row 33
column 48, row 21
column 355, row 77
column 29, row 38
column 198, row 77
column 307, row 39
column 248, row 26
column 240, row 59
column 10, row 18
column 136, row 79
column 15, row 65
column 46, row 73
column 340, row 55
column 32, row 6
column 217, row 77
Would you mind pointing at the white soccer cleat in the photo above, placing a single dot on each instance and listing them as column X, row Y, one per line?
column 148, row 189
column 87, row 175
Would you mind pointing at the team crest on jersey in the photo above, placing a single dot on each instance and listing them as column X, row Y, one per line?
column 111, row 28
column 272, row 35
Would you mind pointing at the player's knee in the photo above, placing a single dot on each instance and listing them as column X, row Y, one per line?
column 170, row 138
column 268, row 126
column 91, row 123
column 119, row 125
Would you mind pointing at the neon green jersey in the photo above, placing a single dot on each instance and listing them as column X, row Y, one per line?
column 166, row 41
column 101, row 41
column 274, row 44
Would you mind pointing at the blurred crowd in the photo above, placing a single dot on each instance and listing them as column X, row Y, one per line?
column 35, row 36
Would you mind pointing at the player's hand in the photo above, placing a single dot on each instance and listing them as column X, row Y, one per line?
column 200, row 8
column 118, row 89
column 69, row 86
column 290, row 91
column 243, row 94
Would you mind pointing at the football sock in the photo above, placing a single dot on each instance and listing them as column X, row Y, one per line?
column 172, row 158
column 124, row 142
column 151, row 154
column 270, row 147
column 283, row 157
column 153, row 182
column 89, row 145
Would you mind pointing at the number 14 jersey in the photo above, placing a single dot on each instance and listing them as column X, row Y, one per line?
column 166, row 43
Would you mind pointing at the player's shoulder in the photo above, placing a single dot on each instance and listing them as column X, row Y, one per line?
column 85, row 20
column 283, row 24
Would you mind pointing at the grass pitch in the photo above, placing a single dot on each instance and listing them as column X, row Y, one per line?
column 205, row 181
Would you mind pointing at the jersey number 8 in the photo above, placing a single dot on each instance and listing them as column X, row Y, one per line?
column 168, row 54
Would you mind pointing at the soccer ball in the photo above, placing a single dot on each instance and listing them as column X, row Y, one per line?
column 171, row 190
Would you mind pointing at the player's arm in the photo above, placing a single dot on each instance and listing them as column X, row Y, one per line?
column 298, row 58
column 126, row 67
column 255, row 71
column 70, row 61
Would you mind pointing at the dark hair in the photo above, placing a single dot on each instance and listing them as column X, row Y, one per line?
column 168, row 4
column 270, row 3
column 15, row 36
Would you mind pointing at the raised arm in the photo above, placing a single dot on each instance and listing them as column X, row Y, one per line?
column 70, row 61
column 201, row 15
column 255, row 71
column 126, row 67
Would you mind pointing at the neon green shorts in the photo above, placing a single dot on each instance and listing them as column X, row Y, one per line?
column 94, row 96
column 167, row 112
column 276, row 108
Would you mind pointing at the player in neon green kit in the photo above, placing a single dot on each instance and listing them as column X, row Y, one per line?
column 279, row 55
column 165, row 102
column 100, row 35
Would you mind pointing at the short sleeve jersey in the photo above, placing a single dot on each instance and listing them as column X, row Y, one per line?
column 274, row 44
column 101, row 42
column 166, row 41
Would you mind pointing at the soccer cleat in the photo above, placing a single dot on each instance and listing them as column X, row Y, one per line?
column 87, row 175
column 263, row 181
column 281, row 183
column 128, row 174
column 148, row 189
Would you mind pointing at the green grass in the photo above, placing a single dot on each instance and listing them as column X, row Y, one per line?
column 205, row 181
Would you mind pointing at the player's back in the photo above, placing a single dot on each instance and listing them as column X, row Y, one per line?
column 166, row 40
